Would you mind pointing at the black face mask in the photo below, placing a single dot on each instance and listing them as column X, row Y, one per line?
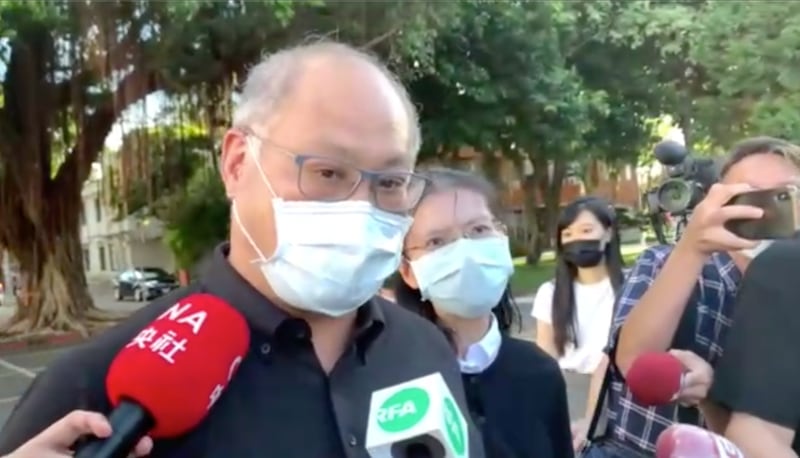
column 583, row 253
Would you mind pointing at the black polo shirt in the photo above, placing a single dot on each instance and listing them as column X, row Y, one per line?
column 281, row 403
column 759, row 372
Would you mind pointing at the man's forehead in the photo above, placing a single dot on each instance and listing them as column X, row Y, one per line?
column 351, row 111
column 764, row 170
column 352, row 86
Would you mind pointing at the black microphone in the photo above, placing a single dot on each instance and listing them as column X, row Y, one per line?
column 130, row 423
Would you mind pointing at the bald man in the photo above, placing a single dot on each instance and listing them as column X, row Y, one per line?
column 318, row 169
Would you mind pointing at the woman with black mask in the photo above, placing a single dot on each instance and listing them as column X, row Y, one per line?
column 455, row 272
column 574, row 311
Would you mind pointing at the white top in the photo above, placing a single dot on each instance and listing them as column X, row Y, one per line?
column 480, row 355
column 594, row 304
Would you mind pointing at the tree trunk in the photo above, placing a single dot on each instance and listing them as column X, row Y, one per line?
column 534, row 250
column 40, row 206
column 550, row 185
column 590, row 176
column 54, row 294
column 491, row 163
column 533, row 198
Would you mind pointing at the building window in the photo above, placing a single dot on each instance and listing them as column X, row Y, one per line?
column 112, row 262
column 87, row 262
column 101, row 252
column 98, row 211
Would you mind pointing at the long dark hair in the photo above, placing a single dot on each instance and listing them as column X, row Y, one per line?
column 439, row 180
column 564, row 326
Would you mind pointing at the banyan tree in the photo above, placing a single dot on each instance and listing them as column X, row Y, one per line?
column 70, row 70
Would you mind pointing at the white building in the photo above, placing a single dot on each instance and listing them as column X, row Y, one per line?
column 111, row 246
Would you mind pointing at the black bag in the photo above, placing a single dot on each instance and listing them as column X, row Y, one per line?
column 605, row 445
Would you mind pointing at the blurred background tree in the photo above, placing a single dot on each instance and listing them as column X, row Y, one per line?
column 534, row 93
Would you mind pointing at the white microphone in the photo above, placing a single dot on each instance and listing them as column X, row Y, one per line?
column 416, row 419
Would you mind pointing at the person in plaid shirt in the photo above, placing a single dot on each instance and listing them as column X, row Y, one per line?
column 693, row 285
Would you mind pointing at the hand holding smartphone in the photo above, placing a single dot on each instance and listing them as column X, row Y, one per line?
column 781, row 218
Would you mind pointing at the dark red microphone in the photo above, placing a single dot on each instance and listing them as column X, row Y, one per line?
column 688, row 441
column 655, row 378
column 165, row 380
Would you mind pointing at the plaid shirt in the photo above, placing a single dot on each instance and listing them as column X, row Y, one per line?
column 713, row 300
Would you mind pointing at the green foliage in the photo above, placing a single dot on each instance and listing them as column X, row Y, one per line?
column 750, row 52
column 564, row 81
column 196, row 219
column 545, row 78
column 159, row 162
column 469, row 75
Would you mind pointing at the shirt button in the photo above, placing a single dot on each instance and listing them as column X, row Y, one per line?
column 352, row 441
column 265, row 349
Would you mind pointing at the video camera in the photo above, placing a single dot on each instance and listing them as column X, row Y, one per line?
column 689, row 179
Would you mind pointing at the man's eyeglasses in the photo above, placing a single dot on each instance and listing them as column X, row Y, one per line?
column 327, row 179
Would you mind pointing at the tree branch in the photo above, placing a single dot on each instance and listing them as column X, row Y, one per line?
column 120, row 54
column 92, row 135
column 380, row 38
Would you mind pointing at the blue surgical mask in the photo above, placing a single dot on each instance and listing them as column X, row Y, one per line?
column 330, row 257
column 466, row 278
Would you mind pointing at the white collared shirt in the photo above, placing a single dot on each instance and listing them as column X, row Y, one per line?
column 480, row 355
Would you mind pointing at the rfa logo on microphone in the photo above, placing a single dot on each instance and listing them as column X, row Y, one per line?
column 404, row 409
column 419, row 412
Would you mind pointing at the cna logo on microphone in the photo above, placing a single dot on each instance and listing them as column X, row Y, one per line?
column 200, row 334
column 164, row 338
column 178, row 366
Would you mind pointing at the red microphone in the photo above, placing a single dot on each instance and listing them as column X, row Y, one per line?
column 165, row 381
column 655, row 378
column 687, row 441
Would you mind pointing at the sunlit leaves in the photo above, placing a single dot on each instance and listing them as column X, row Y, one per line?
column 750, row 51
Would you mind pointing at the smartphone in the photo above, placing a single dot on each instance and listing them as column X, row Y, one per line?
column 781, row 216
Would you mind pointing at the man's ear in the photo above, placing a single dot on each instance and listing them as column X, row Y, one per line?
column 232, row 160
column 407, row 274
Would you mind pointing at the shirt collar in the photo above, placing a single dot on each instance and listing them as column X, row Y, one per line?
column 480, row 355
column 221, row 279
column 728, row 272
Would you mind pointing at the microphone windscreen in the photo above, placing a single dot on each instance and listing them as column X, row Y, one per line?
column 178, row 366
column 689, row 441
column 655, row 378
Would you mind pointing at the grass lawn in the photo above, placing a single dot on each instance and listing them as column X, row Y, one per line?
column 526, row 279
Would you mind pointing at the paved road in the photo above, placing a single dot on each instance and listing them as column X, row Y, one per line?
column 16, row 373
column 18, row 370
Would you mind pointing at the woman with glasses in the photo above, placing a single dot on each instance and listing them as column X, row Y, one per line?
column 574, row 311
column 455, row 272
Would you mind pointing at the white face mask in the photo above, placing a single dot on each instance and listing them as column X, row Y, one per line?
column 760, row 248
column 330, row 257
column 466, row 278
